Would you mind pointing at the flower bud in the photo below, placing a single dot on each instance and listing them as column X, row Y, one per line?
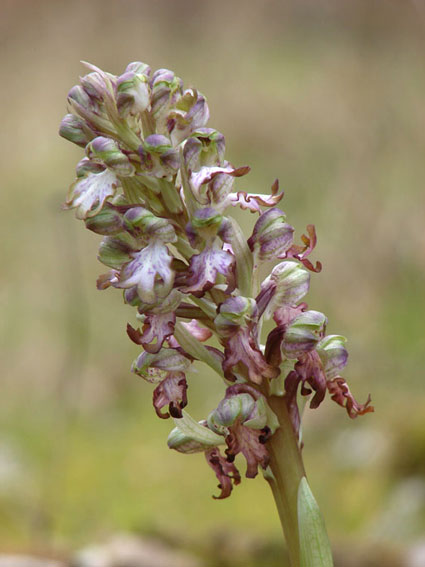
column 303, row 333
column 107, row 150
column 75, row 130
column 166, row 89
column 85, row 166
column 271, row 236
column 138, row 67
column 154, row 367
column 94, row 85
column 107, row 222
column 115, row 251
column 133, row 93
column 158, row 157
column 333, row 354
column 79, row 96
column 234, row 313
column 287, row 285
column 189, row 436
column 190, row 113
column 141, row 222
column 239, row 407
column 205, row 223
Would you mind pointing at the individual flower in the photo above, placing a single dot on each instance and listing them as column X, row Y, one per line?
column 89, row 193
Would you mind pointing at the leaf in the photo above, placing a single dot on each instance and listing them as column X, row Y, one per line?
column 315, row 550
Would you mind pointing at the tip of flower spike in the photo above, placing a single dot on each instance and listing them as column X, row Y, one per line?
column 91, row 66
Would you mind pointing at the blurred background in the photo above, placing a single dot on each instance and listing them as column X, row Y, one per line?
column 326, row 95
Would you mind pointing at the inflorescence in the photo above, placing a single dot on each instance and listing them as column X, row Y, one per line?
column 155, row 183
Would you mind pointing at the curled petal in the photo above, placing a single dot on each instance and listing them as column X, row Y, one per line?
column 106, row 280
column 340, row 393
column 301, row 252
column 251, row 443
column 254, row 201
column 88, row 194
column 291, row 387
column 150, row 270
column 242, row 356
column 172, row 391
column 225, row 472
column 156, row 329
column 310, row 370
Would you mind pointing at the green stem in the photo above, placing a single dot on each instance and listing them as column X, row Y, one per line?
column 288, row 470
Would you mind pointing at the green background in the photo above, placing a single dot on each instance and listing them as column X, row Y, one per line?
column 327, row 96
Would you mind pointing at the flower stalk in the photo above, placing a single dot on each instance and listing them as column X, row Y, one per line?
column 155, row 184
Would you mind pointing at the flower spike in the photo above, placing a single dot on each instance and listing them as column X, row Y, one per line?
column 155, row 183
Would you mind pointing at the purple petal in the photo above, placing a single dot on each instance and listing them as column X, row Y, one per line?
column 254, row 201
column 225, row 472
column 204, row 268
column 340, row 393
column 251, row 443
column 172, row 392
column 242, row 356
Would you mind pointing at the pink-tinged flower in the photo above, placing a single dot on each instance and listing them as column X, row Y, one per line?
column 155, row 367
column 171, row 391
column 205, row 147
column 133, row 93
column 158, row 157
column 108, row 153
column 211, row 185
column 301, row 252
column 166, row 89
column 254, row 201
column 340, row 393
column 157, row 328
column 271, row 236
column 236, row 322
column 88, row 194
column 75, row 129
column 333, row 354
column 108, row 222
column 287, row 284
column 303, row 333
column 190, row 113
column 226, row 472
column 150, row 270
column 310, row 371
column 204, row 267
column 247, row 422
column 251, row 443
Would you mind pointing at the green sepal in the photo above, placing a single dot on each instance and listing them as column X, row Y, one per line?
column 189, row 436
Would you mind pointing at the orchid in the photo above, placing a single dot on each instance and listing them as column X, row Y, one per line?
column 155, row 184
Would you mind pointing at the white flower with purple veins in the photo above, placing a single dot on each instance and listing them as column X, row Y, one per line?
column 150, row 271
column 155, row 183
column 88, row 194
